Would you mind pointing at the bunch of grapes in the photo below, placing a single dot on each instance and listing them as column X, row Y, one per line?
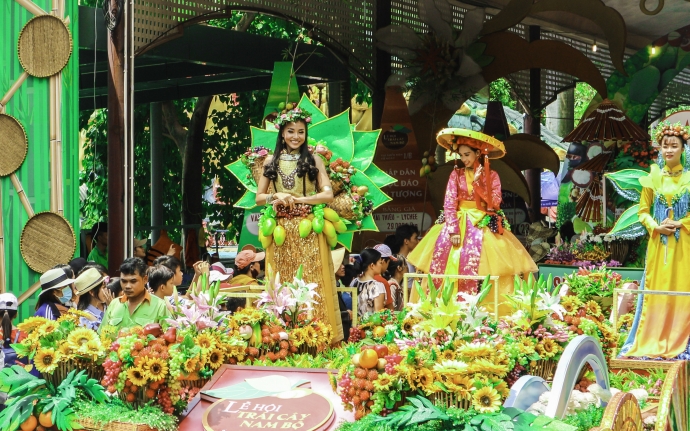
column 379, row 399
column 514, row 374
column 391, row 362
column 126, row 345
column 112, row 371
column 164, row 400
column 297, row 211
column 347, row 391
column 356, row 334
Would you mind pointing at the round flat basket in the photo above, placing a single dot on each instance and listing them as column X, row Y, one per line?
column 13, row 145
column 45, row 45
column 47, row 240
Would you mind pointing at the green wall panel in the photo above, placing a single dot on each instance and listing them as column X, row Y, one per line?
column 30, row 106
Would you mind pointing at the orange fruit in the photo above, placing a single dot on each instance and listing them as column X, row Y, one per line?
column 368, row 358
column 150, row 393
column 46, row 419
column 131, row 397
column 29, row 424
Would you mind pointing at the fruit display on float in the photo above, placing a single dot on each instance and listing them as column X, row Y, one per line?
column 348, row 155
column 428, row 165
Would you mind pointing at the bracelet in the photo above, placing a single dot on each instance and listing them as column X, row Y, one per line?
column 326, row 188
column 269, row 198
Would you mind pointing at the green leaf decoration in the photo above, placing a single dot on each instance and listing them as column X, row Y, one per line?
column 26, row 388
column 377, row 196
column 243, row 174
column 337, row 134
column 282, row 79
column 550, row 424
column 92, row 387
column 628, row 224
column 365, row 147
column 264, row 138
column 14, row 377
column 317, row 115
column 17, row 410
column 493, row 422
column 247, row 201
column 368, row 224
column 421, row 410
column 627, row 182
column 345, row 239
column 378, row 176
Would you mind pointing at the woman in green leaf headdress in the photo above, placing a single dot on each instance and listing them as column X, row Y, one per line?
column 661, row 327
column 296, row 184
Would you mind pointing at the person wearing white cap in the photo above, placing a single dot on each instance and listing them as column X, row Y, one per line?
column 10, row 335
column 220, row 273
column 93, row 297
column 387, row 257
column 53, row 282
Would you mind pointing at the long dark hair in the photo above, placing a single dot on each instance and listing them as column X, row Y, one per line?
column 85, row 299
column 367, row 256
column 305, row 165
column 7, row 316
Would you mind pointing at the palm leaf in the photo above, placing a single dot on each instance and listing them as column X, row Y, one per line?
column 627, row 183
column 317, row 115
column 13, row 377
column 263, row 137
column 243, row 174
column 337, row 134
column 345, row 239
column 378, row 176
column 247, row 201
column 17, row 410
column 628, row 224
column 377, row 196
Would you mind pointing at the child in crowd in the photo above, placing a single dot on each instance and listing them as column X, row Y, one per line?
column 10, row 334
column 371, row 294
column 394, row 274
column 161, row 281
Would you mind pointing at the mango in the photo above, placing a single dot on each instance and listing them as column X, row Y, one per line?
column 329, row 229
column 304, row 228
column 317, row 224
column 330, row 215
column 279, row 235
column 332, row 241
column 340, row 226
column 268, row 226
column 265, row 240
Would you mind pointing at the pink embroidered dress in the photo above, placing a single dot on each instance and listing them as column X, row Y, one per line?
column 482, row 252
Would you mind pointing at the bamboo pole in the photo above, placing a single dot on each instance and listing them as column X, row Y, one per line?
column 22, row 195
column 13, row 89
column 29, row 292
column 52, row 109
column 31, row 7
column 2, row 250
column 58, row 146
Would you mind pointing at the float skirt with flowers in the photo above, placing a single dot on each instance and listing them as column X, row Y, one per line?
column 487, row 245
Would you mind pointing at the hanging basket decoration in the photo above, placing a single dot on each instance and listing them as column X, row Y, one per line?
column 47, row 240
column 607, row 122
column 597, row 164
column 13, row 145
column 588, row 206
column 45, row 46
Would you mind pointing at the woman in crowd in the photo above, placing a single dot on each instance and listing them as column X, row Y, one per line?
column 293, row 181
column 394, row 274
column 10, row 334
column 371, row 294
column 94, row 297
column 55, row 284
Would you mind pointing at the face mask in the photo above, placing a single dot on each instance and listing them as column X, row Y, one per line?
column 66, row 295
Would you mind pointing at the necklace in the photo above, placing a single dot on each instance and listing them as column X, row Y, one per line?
column 288, row 179
column 671, row 174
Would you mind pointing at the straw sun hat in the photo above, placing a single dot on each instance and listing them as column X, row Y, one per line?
column 87, row 280
column 452, row 138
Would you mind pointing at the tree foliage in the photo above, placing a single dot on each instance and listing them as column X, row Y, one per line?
column 584, row 93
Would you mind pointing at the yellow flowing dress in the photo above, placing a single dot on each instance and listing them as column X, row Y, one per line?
column 664, row 326
column 312, row 252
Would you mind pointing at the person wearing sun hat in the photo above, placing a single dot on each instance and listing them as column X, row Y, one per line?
column 475, row 238
column 53, row 282
column 93, row 298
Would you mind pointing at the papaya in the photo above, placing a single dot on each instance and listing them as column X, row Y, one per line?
column 340, row 226
column 329, row 229
column 317, row 225
column 265, row 240
column 330, row 215
column 268, row 226
column 304, row 228
column 279, row 235
column 332, row 241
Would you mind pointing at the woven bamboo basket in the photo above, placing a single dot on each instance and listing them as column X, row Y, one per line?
column 309, row 350
column 13, row 144
column 342, row 204
column 45, row 46
column 448, row 400
column 257, row 168
column 93, row 370
column 47, row 240
column 198, row 383
column 140, row 398
column 88, row 424
column 337, row 186
column 544, row 369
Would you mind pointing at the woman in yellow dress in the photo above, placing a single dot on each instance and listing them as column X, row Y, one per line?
column 299, row 181
column 475, row 238
column 662, row 323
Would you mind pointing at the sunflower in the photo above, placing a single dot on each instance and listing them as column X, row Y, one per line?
column 66, row 349
column 31, row 323
column 625, row 321
column 409, row 323
column 67, row 317
column 484, row 366
column 46, row 360
column 571, row 304
column 425, row 380
column 447, row 355
column 383, row 383
column 155, row 369
column 310, row 335
column 526, row 345
column 547, row 348
column 450, row 366
column 593, row 308
column 80, row 337
column 462, row 386
column 248, row 316
column 191, row 364
column 137, row 376
column 48, row 327
column 502, row 388
column 475, row 350
column 93, row 348
column 486, row 400
column 216, row 358
column 205, row 341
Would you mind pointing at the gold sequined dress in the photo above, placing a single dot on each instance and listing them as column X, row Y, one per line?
column 312, row 252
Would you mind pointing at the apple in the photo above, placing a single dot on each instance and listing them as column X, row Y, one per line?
column 170, row 335
column 381, row 350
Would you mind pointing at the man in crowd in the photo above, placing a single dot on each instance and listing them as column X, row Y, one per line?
column 407, row 237
column 247, row 267
column 99, row 237
column 136, row 307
